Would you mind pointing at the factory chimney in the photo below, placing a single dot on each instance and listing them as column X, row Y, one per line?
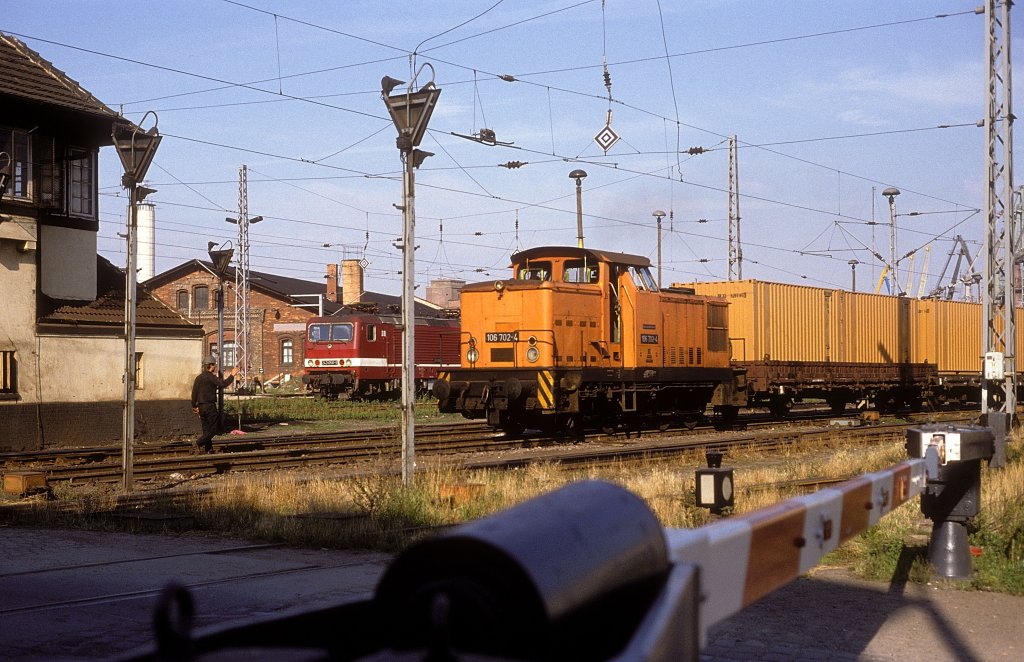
column 147, row 240
column 351, row 281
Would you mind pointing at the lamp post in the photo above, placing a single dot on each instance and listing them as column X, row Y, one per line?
column 579, row 176
column 659, row 214
column 220, row 258
column 411, row 113
column 891, row 193
column 136, row 149
column 853, row 274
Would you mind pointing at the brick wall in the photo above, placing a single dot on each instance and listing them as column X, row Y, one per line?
column 267, row 317
column 65, row 424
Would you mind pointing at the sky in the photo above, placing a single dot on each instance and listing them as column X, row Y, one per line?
column 830, row 104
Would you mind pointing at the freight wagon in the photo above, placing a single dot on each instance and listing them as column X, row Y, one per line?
column 799, row 342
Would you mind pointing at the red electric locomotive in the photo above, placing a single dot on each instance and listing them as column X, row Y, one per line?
column 357, row 354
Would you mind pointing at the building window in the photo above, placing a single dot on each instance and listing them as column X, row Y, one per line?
column 16, row 143
column 82, row 183
column 200, row 297
column 228, row 360
column 182, row 299
column 287, row 351
column 138, row 371
column 8, row 375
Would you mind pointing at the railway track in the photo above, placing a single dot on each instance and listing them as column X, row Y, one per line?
column 473, row 445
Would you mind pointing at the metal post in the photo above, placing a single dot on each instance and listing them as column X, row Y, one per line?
column 735, row 246
column 579, row 176
column 128, row 437
column 220, row 352
column 998, row 383
column 136, row 149
column 853, row 275
column 411, row 114
column 408, row 324
column 891, row 193
column 658, row 214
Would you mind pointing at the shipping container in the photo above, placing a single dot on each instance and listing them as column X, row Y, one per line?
column 783, row 322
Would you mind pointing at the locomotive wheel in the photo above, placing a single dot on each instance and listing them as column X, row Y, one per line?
column 512, row 429
column 778, row 407
column 836, row 405
column 726, row 415
column 572, row 427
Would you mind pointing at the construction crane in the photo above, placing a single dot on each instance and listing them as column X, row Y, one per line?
column 963, row 256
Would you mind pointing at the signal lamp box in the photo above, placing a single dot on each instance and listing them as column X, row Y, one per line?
column 715, row 488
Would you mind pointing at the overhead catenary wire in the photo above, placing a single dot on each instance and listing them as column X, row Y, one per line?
column 465, row 167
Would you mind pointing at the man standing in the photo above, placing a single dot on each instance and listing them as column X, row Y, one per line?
column 204, row 400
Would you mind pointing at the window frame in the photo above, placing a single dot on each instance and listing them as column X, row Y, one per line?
column 8, row 374
column 287, row 347
column 196, row 299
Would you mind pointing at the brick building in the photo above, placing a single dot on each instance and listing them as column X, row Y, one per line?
column 278, row 309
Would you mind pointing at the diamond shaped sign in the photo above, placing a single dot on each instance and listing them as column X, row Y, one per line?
column 606, row 137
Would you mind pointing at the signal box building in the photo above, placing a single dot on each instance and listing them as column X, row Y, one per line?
column 62, row 332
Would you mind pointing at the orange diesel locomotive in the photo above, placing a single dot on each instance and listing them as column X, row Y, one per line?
column 581, row 336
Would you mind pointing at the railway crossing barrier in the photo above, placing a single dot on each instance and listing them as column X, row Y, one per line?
column 587, row 572
column 952, row 494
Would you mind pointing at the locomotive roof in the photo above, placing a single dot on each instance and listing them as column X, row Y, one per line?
column 587, row 253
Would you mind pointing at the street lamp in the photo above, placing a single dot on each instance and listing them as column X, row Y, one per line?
column 136, row 149
column 891, row 193
column 411, row 113
column 659, row 214
column 220, row 258
column 853, row 274
column 579, row 176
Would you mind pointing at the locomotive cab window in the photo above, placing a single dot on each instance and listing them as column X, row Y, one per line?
column 642, row 278
column 534, row 271
column 578, row 271
column 371, row 332
column 330, row 332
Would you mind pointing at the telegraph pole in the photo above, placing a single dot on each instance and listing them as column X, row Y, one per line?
column 411, row 113
column 136, row 149
column 242, row 322
column 735, row 248
column 998, row 379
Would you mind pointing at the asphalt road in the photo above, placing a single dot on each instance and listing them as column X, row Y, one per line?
column 82, row 595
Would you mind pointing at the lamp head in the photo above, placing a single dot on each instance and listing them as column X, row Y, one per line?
column 578, row 175
column 891, row 192
column 388, row 84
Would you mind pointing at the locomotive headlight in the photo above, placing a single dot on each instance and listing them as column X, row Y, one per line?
column 532, row 354
column 348, row 363
column 532, row 340
column 473, row 355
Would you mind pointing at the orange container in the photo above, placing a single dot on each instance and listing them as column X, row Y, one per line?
column 783, row 322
